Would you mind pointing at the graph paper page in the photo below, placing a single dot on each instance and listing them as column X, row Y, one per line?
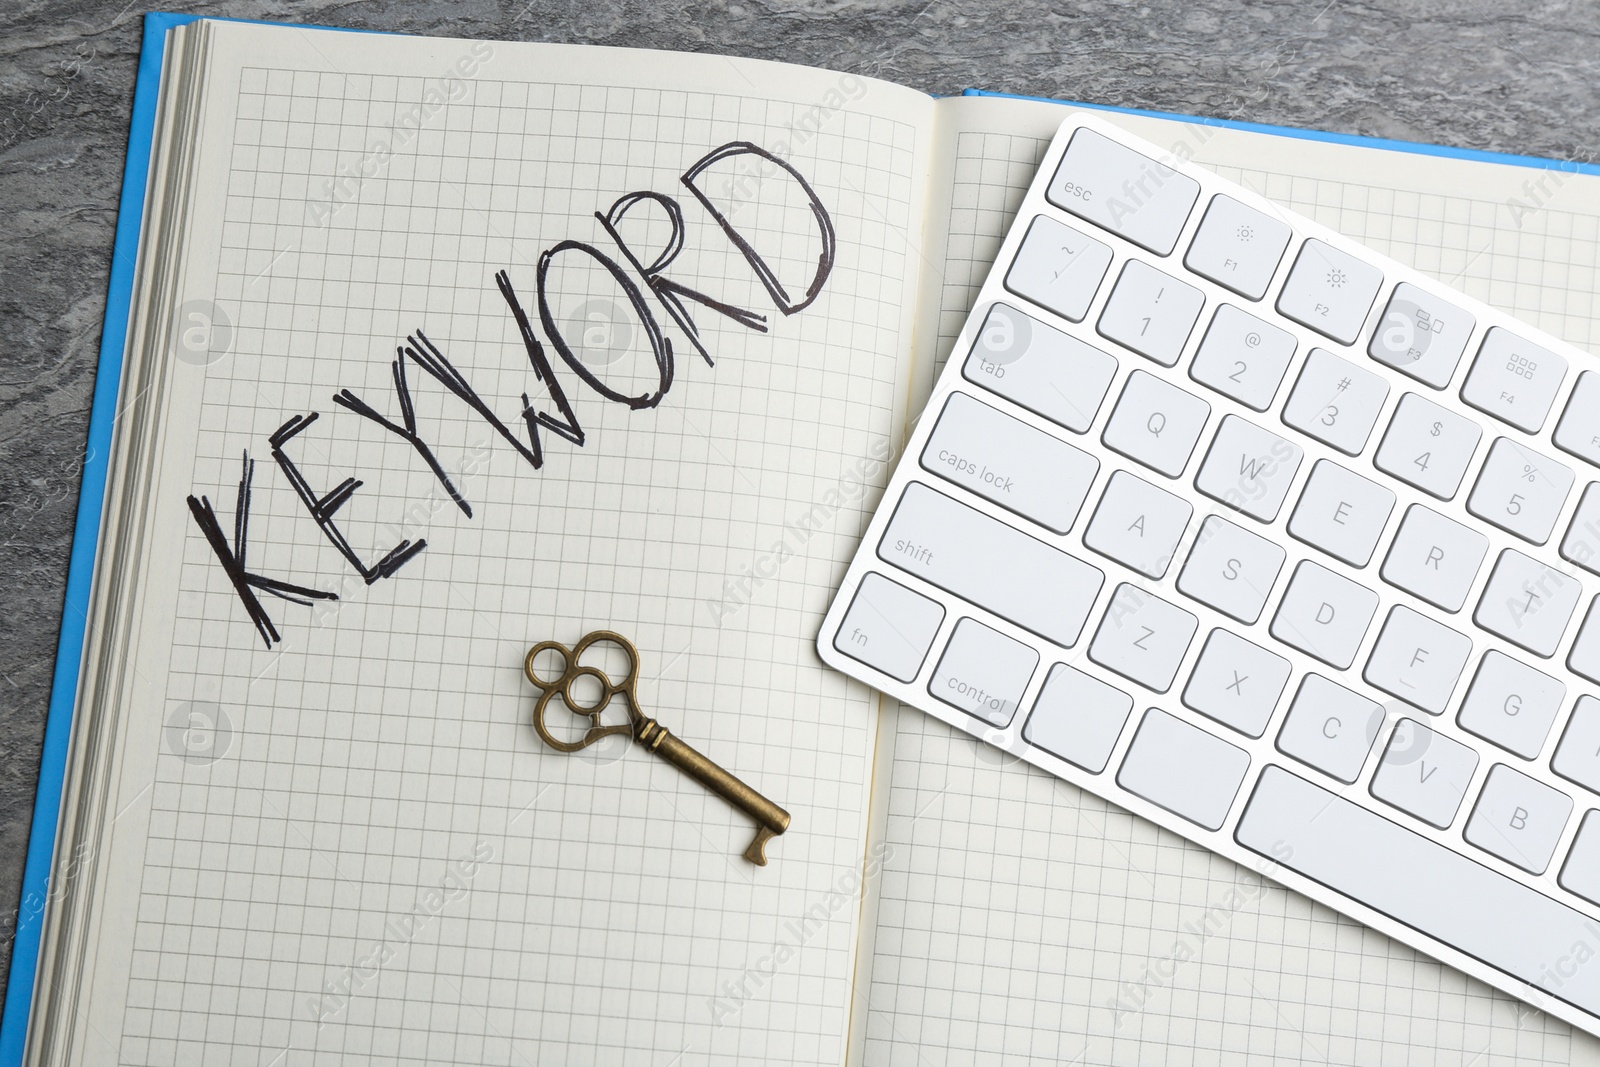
column 337, row 837
column 1019, row 919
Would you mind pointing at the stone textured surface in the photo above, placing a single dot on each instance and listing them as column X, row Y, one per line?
column 1517, row 78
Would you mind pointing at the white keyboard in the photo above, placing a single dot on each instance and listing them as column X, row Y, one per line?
column 1273, row 541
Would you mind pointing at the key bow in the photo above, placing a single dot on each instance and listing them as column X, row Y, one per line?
column 573, row 672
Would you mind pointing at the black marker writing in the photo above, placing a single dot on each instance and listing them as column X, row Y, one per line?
column 780, row 296
column 660, row 347
column 669, row 292
column 408, row 431
column 567, row 426
column 634, row 274
column 232, row 558
column 323, row 508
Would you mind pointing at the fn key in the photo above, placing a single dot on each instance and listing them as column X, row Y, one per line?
column 888, row 627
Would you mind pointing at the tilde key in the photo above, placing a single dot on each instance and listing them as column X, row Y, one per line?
column 770, row 819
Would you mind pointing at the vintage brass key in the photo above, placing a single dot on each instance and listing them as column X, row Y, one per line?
column 770, row 819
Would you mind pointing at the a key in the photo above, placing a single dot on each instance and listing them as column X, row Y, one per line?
column 1427, row 446
column 1511, row 704
column 889, row 627
column 1059, row 268
column 1018, row 467
column 1520, row 491
column 1236, row 683
column 1424, row 773
column 595, row 684
column 1077, row 718
column 983, row 672
column 1518, row 819
column 1238, row 246
column 1434, row 557
column 1324, row 614
column 1330, row 291
column 1137, row 524
column 1156, row 423
column 1417, row 659
column 1231, row 569
column 1528, row 603
column 1142, row 637
column 1330, row 728
column 1151, row 312
column 1183, row 769
column 1341, row 513
column 1335, row 401
column 1046, row 371
column 1514, row 380
column 1421, row 335
column 997, row 567
column 1423, row 883
column 1123, row 191
column 1584, row 658
column 1243, row 357
column 1578, row 432
column 1248, row 468
column 1577, row 757
column 1581, row 545
column 1581, row 874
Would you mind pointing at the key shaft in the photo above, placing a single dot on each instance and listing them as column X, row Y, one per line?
column 770, row 819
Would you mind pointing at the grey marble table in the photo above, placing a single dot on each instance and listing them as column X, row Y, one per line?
column 1516, row 78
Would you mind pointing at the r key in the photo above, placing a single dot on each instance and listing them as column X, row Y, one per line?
column 1421, row 335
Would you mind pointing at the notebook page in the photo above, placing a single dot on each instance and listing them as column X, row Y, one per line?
column 1019, row 916
column 335, row 836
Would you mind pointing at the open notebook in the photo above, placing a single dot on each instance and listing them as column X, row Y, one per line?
column 304, row 817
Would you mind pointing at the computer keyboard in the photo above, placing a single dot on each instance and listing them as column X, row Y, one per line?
column 1274, row 541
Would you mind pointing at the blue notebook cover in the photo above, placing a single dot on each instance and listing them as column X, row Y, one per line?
column 36, row 885
column 85, row 540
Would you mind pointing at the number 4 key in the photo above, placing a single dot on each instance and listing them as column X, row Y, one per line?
column 1428, row 446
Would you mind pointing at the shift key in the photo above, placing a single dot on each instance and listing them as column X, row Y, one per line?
column 993, row 565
